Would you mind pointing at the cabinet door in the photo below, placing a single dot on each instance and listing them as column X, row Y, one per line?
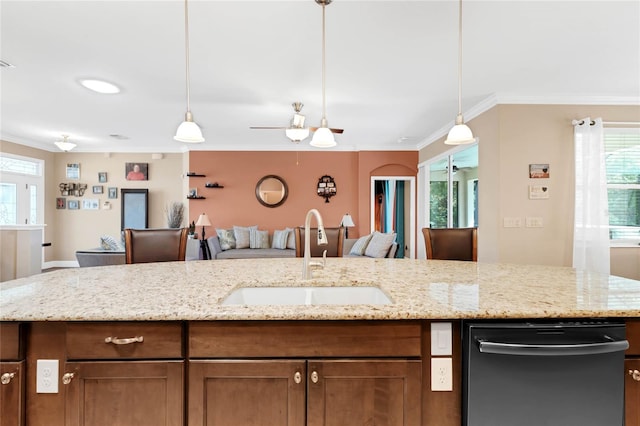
column 124, row 393
column 632, row 392
column 372, row 392
column 12, row 393
column 247, row 393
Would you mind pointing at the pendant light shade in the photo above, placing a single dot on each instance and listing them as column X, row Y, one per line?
column 188, row 131
column 323, row 136
column 460, row 134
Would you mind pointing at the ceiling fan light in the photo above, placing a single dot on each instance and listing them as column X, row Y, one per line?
column 323, row 138
column 188, row 131
column 460, row 134
column 296, row 134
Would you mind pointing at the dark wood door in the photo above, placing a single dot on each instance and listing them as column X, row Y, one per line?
column 372, row 392
column 247, row 393
column 12, row 393
column 632, row 391
column 124, row 393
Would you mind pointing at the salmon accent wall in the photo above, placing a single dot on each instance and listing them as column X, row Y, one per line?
column 240, row 171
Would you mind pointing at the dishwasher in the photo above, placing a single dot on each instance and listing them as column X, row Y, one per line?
column 543, row 373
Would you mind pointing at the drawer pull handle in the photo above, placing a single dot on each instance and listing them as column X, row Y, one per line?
column 314, row 377
column 635, row 375
column 66, row 378
column 127, row 341
column 297, row 377
column 5, row 379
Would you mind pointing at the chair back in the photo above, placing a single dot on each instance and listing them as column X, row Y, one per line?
column 335, row 236
column 155, row 245
column 451, row 243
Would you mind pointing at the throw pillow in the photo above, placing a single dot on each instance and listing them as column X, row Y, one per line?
column 227, row 239
column 380, row 244
column 360, row 245
column 258, row 239
column 242, row 235
column 280, row 238
column 291, row 239
column 107, row 242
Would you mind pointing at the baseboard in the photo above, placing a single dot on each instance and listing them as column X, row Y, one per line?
column 60, row 264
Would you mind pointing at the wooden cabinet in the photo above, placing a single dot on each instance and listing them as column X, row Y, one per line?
column 345, row 389
column 12, row 376
column 126, row 374
column 632, row 375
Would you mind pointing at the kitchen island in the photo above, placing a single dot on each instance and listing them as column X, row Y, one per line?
column 193, row 344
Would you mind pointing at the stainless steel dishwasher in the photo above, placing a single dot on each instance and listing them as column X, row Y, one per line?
column 543, row 373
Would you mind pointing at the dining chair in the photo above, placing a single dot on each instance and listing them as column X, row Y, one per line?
column 155, row 245
column 335, row 236
column 451, row 243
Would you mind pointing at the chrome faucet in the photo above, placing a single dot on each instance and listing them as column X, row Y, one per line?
column 322, row 241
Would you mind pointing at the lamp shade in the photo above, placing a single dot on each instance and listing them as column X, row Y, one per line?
column 296, row 134
column 203, row 220
column 323, row 138
column 188, row 131
column 347, row 220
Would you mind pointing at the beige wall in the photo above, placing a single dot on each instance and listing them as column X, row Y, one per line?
column 510, row 138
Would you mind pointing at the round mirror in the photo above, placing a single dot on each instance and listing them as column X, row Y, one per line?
column 271, row 191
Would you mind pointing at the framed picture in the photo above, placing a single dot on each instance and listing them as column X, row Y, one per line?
column 98, row 189
column 135, row 209
column 102, row 177
column 113, row 192
column 538, row 171
column 73, row 171
column 538, row 192
column 90, row 204
column 73, row 205
column 61, row 203
column 136, row 171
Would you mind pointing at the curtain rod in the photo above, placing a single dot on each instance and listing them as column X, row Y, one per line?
column 608, row 123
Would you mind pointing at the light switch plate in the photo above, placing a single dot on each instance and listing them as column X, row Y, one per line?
column 441, row 338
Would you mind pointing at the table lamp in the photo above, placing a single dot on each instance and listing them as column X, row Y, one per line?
column 203, row 220
column 347, row 221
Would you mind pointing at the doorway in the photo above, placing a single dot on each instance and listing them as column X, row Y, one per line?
column 393, row 210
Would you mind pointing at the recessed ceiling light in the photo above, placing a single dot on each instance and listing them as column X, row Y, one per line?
column 100, row 86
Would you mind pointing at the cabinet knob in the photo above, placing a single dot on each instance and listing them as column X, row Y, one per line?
column 126, row 341
column 314, row 377
column 66, row 378
column 635, row 375
column 297, row 377
column 5, row 379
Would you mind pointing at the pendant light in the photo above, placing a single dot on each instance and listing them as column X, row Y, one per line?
column 459, row 134
column 323, row 136
column 64, row 144
column 188, row 131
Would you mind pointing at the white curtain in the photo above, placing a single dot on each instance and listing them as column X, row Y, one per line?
column 591, row 222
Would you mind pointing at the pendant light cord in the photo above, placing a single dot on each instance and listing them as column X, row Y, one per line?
column 460, row 59
column 324, row 112
column 186, row 43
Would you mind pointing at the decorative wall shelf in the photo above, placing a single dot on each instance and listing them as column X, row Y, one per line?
column 213, row 185
column 190, row 174
column 198, row 197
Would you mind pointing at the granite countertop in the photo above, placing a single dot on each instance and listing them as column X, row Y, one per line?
column 419, row 289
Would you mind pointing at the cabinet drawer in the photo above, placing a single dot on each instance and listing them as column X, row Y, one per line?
column 119, row 340
column 633, row 336
column 235, row 339
column 10, row 348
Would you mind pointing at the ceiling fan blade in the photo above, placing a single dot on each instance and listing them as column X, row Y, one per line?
column 313, row 129
column 266, row 127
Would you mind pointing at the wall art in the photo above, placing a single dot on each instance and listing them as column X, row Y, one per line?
column 538, row 171
column 136, row 171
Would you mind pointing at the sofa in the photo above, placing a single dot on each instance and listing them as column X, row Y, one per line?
column 251, row 243
column 100, row 257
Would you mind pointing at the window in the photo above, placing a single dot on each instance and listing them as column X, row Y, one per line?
column 622, row 159
column 21, row 196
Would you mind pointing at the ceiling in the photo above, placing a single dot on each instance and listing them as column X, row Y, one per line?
column 391, row 68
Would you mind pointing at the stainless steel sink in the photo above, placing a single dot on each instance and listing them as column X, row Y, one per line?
column 307, row 296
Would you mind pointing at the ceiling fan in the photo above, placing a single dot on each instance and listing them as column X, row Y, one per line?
column 296, row 130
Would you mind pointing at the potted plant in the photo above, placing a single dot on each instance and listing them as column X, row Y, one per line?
column 192, row 229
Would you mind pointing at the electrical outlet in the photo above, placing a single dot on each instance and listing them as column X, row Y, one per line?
column 441, row 374
column 47, row 376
